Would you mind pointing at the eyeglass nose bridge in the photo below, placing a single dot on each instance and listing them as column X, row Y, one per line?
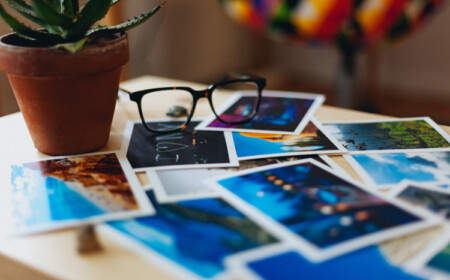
column 206, row 93
column 202, row 93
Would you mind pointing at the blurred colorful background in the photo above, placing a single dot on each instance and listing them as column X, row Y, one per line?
column 398, row 48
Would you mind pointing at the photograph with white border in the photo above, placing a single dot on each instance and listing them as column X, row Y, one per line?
column 312, row 140
column 433, row 198
column 387, row 170
column 69, row 191
column 389, row 135
column 279, row 112
column 284, row 261
column 282, row 197
column 433, row 262
column 147, row 150
column 176, row 229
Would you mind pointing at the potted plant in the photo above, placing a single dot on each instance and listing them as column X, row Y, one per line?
column 65, row 76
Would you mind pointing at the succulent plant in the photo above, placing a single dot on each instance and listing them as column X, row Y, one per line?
column 64, row 22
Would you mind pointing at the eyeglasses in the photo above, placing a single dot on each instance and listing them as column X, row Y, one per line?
column 181, row 102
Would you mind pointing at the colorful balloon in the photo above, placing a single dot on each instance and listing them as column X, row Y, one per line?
column 350, row 24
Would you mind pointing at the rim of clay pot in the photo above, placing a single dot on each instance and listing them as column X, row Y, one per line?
column 17, row 59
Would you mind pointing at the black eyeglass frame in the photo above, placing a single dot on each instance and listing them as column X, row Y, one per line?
column 197, row 94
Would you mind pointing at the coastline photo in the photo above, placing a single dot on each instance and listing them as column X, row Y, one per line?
column 389, row 135
column 68, row 191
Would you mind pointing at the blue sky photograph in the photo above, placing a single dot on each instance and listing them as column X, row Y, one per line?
column 392, row 168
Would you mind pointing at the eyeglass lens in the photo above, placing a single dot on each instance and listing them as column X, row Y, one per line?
column 171, row 102
column 244, row 109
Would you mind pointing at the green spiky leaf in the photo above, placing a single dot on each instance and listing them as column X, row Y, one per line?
column 26, row 11
column 93, row 11
column 103, row 30
column 27, row 32
column 20, row 5
column 70, row 7
column 48, row 13
column 65, row 22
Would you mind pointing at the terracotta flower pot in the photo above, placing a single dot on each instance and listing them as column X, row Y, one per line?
column 67, row 100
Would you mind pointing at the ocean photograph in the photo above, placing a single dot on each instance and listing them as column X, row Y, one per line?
column 177, row 229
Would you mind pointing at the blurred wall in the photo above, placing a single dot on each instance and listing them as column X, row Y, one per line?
column 191, row 40
column 7, row 102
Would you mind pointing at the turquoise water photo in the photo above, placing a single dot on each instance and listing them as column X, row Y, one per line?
column 177, row 229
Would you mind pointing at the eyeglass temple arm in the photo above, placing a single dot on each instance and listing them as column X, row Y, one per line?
column 123, row 94
column 238, row 75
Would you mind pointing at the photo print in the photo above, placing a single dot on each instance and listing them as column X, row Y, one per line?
column 432, row 198
column 387, row 170
column 282, row 261
column 146, row 150
column 69, row 191
column 279, row 112
column 390, row 135
column 182, row 184
column 312, row 140
column 177, row 228
column 434, row 261
column 327, row 214
column 441, row 261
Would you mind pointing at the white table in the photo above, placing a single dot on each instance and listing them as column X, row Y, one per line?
column 54, row 255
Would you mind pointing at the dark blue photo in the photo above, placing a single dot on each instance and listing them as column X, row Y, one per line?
column 315, row 204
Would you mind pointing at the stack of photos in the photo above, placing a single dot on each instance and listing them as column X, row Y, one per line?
column 171, row 185
column 267, row 199
column 284, row 192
